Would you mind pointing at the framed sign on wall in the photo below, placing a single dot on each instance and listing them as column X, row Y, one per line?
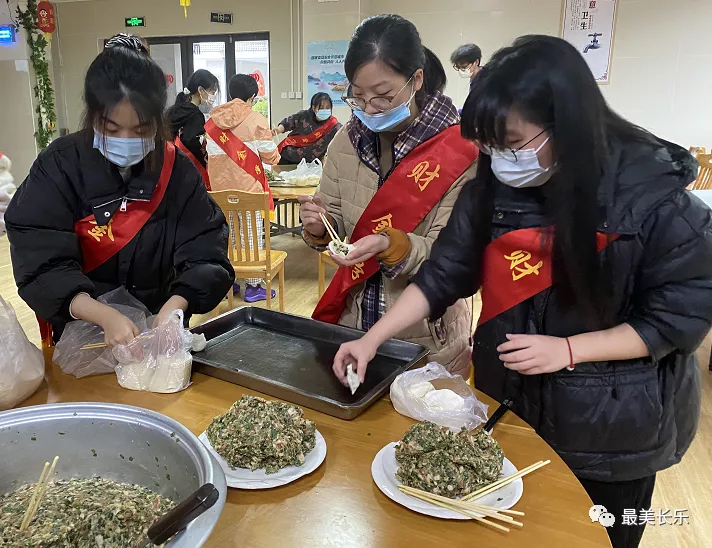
column 590, row 26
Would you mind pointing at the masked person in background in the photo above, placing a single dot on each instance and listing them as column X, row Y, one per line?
column 116, row 205
column 310, row 131
column 595, row 266
column 466, row 60
column 239, row 142
column 188, row 114
column 390, row 181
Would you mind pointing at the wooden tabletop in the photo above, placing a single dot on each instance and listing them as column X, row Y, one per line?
column 339, row 505
column 281, row 192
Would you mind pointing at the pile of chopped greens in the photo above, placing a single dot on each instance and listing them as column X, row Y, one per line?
column 78, row 513
column 257, row 433
column 435, row 459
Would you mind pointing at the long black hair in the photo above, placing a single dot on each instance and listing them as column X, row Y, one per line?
column 201, row 78
column 319, row 98
column 124, row 70
column 550, row 85
column 395, row 42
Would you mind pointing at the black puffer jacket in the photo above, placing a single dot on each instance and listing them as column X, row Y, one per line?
column 181, row 250
column 610, row 421
column 188, row 121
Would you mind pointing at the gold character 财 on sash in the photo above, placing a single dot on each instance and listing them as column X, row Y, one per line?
column 224, row 138
column 520, row 257
column 421, row 173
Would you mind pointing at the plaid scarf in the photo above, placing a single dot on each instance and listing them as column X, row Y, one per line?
column 438, row 114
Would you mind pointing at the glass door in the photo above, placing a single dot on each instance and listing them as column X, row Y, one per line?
column 169, row 55
column 210, row 55
column 252, row 57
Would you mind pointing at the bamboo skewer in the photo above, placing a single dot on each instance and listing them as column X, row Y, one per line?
column 93, row 346
column 488, row 511
column 38, row 493
column 487, row 489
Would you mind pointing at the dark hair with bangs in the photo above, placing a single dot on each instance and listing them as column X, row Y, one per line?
column 201, row 78
column 395, row 42
column 550, row 85
column 319, row 98
column 243, row 87
column 125, row 71
column 466, row 54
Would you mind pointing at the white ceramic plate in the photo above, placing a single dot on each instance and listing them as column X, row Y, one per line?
column 385, row 466
column 242, row 478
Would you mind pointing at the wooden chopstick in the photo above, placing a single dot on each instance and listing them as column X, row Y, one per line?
column 92, row 346
column 38, row 493
column 487, row 489
column 329, row 228
column 488, row 511
column 460, row 511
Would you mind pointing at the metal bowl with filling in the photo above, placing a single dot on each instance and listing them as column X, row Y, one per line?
column 118, row 442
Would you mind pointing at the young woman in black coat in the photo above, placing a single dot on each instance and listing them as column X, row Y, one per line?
column 595, row 266
column 116, row 205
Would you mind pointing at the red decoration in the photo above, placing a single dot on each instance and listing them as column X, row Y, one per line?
column 257, row 75
column 45, row 17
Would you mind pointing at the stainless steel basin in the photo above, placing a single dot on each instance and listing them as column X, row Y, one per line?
column 118, row 442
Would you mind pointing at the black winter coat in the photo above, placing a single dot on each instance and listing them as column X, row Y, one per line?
column 188, row 121
column 609, row 421
column 181, row 250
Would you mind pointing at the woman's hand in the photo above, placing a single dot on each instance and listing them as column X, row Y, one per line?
column 279, row 129
column 174, row 303
column 118, row 329
column 534, row 354
column 367, row 247
column 311, row 209
column 358, row 353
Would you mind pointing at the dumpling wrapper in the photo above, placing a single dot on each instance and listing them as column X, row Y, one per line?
column 334, row 249
column 199, row 342
column 352, row 379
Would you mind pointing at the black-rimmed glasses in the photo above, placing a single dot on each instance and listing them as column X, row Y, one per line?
column 381, row 103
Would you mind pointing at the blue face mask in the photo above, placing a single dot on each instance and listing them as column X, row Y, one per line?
column 123, row 151
column 323, row 114
column 383, row 121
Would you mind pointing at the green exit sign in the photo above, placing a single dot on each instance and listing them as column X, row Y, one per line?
column 135, row 21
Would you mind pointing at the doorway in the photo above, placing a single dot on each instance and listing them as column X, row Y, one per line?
column 222, row 54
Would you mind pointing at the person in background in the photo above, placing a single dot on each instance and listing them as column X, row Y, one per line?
column 389, row 184
column 311, row 131
column 113, row 205
column 595, row 266
column 188, row 114
column 239, row 142
column 466, row 61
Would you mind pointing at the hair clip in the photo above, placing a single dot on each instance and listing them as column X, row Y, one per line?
column 187, row 91
column 126, row 41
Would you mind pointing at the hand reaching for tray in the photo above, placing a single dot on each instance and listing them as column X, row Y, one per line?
column 360, row 353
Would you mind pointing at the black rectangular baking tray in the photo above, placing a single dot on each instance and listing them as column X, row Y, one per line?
column 290, row 357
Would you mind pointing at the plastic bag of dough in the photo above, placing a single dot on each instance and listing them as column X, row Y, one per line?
column 432, row 394
column 158, row 360
column 69, row 353
column 22, row 365
column 305, row 174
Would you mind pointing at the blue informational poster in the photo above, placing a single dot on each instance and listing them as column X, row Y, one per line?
column 325, row 69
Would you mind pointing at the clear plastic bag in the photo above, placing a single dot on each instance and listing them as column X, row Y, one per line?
column 432, row 394
column 158, row 360
column 306, row 174
column 22, row 365
column 68, row 353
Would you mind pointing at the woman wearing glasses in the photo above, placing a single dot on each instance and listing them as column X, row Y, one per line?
column 390, row 181
column 595, row 266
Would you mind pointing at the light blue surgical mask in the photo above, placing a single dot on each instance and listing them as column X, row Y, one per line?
column 323, row 114
column 123, row 151
column 383, row 121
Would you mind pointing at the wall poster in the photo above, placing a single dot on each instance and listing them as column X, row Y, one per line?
column 589, row 26
column 325, row 69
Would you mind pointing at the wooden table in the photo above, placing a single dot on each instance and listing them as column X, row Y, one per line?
column 339, row 505
column 284, row 197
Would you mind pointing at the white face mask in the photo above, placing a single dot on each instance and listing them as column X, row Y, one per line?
column 521, row 168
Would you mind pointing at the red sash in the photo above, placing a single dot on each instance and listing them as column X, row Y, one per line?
column 203, row 172
column 313, row 137
column 406, row 197
column 517, row 266
column 241, row 154
column 100, row 243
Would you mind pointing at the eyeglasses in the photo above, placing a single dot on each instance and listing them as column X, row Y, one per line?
column 464, row 70
column 490, row 151
column 381, row 102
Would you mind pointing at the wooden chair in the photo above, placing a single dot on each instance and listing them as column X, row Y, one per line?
column 696, row 151
column 251, row 263
column 324, row 259
column 704, row 177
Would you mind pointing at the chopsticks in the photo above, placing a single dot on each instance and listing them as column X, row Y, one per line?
column 330, row 229
column 467, row 507
column 487, row 489
column 38, row 493
column 103, row 344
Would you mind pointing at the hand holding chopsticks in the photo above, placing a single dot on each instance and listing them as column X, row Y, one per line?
column 330, row 229
column 38, row 493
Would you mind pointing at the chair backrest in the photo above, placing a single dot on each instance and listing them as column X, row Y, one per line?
column 704, row 177
column 240, row 209
column 696, row 151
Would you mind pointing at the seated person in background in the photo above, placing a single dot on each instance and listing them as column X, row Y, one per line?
column 466, row 61
column 311, row 131
column 239, row 140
